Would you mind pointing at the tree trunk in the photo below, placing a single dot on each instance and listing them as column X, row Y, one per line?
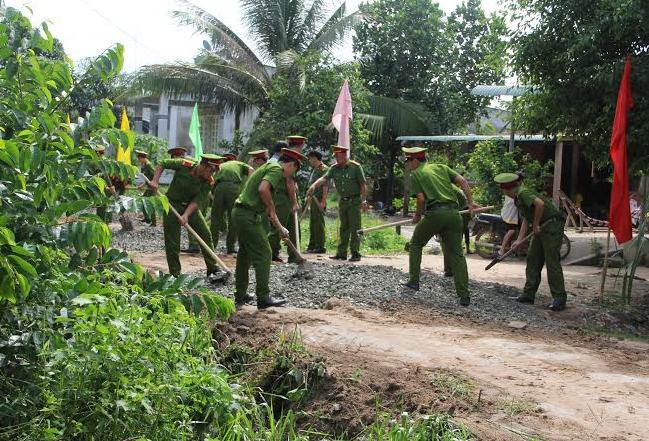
column 389, row 194
column 237, row 117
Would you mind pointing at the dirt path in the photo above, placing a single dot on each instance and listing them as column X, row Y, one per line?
column 557, row 384
column 579, row 392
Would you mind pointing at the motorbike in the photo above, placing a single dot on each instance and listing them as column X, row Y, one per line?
column 489, row 230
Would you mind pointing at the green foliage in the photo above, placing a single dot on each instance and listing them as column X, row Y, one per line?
column 227, row 72
column 407, row 50
column 308, row 111
column 154, row 146
column 490, row 158
column 91, row 346
column 573, row 53
column 410, row 428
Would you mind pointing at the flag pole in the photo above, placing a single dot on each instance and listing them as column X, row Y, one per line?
column 604, row 267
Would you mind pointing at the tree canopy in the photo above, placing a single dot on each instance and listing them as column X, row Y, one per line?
column 227, row 72
column 408, row 50
column 573, row 53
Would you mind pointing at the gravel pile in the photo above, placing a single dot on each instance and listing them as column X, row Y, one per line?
column 145, row 238
column 360, row 285
column 368, row 286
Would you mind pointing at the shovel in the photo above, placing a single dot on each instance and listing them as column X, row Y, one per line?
column 500, row 258
column 409, row 221
column 304, row 267
column 204, row 246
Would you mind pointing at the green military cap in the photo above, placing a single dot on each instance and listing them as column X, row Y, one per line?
column 506, row 178
column 258, row 153
column 230, row 156
column 177, row 148
column 299, row 157
column 339, row 148
column 413, row 150
column 141, row 153
column 212, row 159
column 296, row 139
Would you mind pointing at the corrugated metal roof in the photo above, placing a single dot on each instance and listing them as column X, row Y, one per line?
column 493, row 90
column 470, row 138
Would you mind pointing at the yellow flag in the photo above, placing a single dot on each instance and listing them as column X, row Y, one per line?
column 124, row 154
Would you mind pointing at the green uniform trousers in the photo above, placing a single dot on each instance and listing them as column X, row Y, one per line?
column 193, row 243
column 172, row 228
column 466, row 218
column 349, row 212
column 285, row 216
column 318, row 237
column 545, row 248
column 150, row 219
column 225, row 193
column 254, row 250
column 448, row 224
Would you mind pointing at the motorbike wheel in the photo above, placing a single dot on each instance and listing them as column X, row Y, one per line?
column 487, row 244
column 565, row 247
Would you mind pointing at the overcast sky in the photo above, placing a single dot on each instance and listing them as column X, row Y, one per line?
column 145, row 27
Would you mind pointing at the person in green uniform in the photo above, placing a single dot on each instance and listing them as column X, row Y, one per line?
column 349, row 179
column 253, row 204
column 177, row 152
column 228, row 181
column 147, row 169
column 189, row 189
column 437, row 213
column 282, row 204
column 258, row 157
column 317, row 205
column 466, row 218
column 545, row 248
column 285, row 201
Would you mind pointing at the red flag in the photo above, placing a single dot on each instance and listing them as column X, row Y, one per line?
column 619, row 215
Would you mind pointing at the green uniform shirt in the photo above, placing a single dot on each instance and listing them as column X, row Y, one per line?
column 232, row 171
column 249, row 197
column 185, row 187
column 316, row 174
column 525, row 203
column 148, row 170
column 461, row 198
column 348, row 178
column 435, row 181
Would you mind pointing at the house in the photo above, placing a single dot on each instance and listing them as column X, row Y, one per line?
column 169, row 118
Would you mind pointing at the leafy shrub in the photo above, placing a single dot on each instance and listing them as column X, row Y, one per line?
column 489, row 158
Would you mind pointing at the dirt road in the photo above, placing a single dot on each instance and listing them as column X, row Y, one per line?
column 558, row 384
column 539, row 385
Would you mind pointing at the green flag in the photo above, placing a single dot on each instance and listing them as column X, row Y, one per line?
column 195, row 133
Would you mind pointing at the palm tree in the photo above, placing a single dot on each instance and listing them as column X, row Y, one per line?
column 230, row 74
column 388, row 118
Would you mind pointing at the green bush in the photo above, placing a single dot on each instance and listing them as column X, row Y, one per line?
column 490, row 158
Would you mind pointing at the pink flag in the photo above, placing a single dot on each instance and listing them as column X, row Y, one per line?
column 342, row 115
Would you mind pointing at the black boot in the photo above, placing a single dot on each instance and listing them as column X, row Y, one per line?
column 523, row 299
column 278, row 259
column 270, row 302
column 337, row 257
column 411, row 285
column 242, row 301
column 465, row 301
column 355, row 258
column 557, row 305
